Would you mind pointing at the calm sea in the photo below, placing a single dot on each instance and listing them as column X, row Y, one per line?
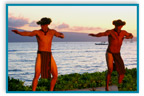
column 70, row 57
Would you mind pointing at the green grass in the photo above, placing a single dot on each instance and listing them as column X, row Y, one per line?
column 80, row 81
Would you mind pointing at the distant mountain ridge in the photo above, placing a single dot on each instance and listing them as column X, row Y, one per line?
column 69, row 37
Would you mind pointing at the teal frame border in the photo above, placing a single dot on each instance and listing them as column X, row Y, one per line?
column 137, row 6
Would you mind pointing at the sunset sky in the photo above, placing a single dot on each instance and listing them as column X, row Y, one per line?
column 84, row 19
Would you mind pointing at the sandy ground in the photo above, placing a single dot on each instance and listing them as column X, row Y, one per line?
column 111, row 88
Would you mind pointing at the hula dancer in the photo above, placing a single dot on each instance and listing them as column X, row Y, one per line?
column 45, row 63
column 113, row 56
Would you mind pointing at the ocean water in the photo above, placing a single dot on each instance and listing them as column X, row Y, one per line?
column 70, row 57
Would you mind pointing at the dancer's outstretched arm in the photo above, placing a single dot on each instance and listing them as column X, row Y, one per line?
column 106, row 33
column 33, row 33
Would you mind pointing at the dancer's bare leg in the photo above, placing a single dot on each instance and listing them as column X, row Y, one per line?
column 37, row 72
column 120, row 78
column 109, row 59
column 54, row 73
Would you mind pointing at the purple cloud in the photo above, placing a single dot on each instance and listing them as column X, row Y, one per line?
column 62, row 26
column 67, row 27
column 17, row 22
column 33, row 24
column 79, row 28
